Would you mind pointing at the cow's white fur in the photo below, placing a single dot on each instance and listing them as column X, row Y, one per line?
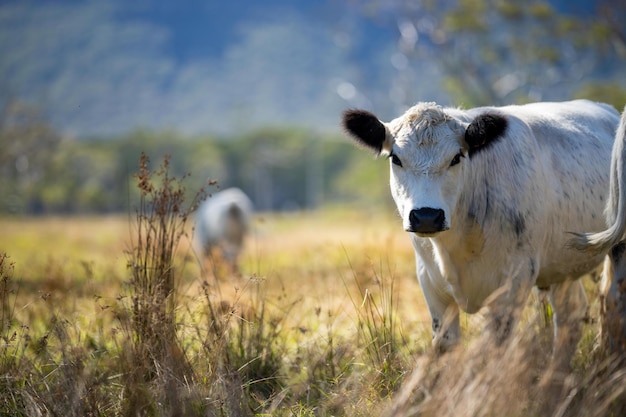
column 222, row 222
column 508, row 206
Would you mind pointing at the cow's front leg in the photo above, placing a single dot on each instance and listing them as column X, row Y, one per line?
column 447, row 329
column 444, row 314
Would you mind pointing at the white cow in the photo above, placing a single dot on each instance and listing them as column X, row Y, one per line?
column 222, row 222
column 489, row 195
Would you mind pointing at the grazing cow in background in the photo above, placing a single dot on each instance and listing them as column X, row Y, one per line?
column 488, row 196
column 222, row 222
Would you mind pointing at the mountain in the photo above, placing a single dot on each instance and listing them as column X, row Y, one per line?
column 99, row 68
column 102, row 68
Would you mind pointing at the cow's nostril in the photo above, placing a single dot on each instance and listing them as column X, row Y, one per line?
column 427, row 220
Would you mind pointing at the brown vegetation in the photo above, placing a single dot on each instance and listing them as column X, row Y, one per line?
column 325, row 319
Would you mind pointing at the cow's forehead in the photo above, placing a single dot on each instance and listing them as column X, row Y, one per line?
column 425, row 125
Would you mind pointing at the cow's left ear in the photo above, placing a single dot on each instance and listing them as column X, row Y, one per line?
column 484, row 130
column 365, row 129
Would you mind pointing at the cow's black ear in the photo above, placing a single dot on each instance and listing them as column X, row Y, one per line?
column 365, row 129
column 484, row 130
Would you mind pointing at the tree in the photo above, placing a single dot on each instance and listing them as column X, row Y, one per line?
column 27, row 145
column 497, row 52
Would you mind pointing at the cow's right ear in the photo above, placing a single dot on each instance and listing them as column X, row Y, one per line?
column 365, row 129
column 484, row 131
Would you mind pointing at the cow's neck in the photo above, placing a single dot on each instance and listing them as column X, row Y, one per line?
column 457, row 252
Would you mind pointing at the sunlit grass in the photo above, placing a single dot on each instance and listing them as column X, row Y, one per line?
column 306, row 255
column 303, row 269
column 325, row 317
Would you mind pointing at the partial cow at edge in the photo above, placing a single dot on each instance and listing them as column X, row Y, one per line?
column 490, row 196
column 222, row 223
column 613, row 300
column 613, row 288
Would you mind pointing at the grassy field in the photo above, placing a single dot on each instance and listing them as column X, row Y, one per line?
column 324, row 317
column 309, row 275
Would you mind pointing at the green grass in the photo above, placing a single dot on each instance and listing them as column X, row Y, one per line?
column 325, row 318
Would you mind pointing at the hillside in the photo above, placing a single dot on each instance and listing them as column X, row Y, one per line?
column 104, row 68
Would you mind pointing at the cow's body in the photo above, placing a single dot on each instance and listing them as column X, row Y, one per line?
column 222, row 222
column 489, row 196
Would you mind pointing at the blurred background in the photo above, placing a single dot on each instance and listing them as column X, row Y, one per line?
column 251, row 93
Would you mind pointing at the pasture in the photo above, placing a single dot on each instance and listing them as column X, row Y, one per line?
column 325, row 317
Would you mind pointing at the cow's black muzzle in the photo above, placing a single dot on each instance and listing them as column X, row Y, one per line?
column 427, row 220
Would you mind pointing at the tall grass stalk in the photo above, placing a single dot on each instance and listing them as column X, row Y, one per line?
column 160, row 223
column 379, row 332
column 488, row 379
column 7, row 301
column 11, row 340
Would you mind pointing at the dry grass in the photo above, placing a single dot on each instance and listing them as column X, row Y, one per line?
column 325, row 318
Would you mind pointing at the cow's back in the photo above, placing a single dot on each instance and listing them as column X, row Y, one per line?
column 574, row 141
column 223, row 217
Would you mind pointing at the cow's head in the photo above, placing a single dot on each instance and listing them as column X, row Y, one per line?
column 427, row 149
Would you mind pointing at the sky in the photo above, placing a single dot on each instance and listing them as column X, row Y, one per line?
column 101, row 68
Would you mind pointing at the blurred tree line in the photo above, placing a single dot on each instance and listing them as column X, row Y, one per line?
column 279, row 168
column 491, row 52
column 498, row 52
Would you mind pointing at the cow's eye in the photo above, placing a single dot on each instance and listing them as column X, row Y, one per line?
column 457, row 159
column 395, row 160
